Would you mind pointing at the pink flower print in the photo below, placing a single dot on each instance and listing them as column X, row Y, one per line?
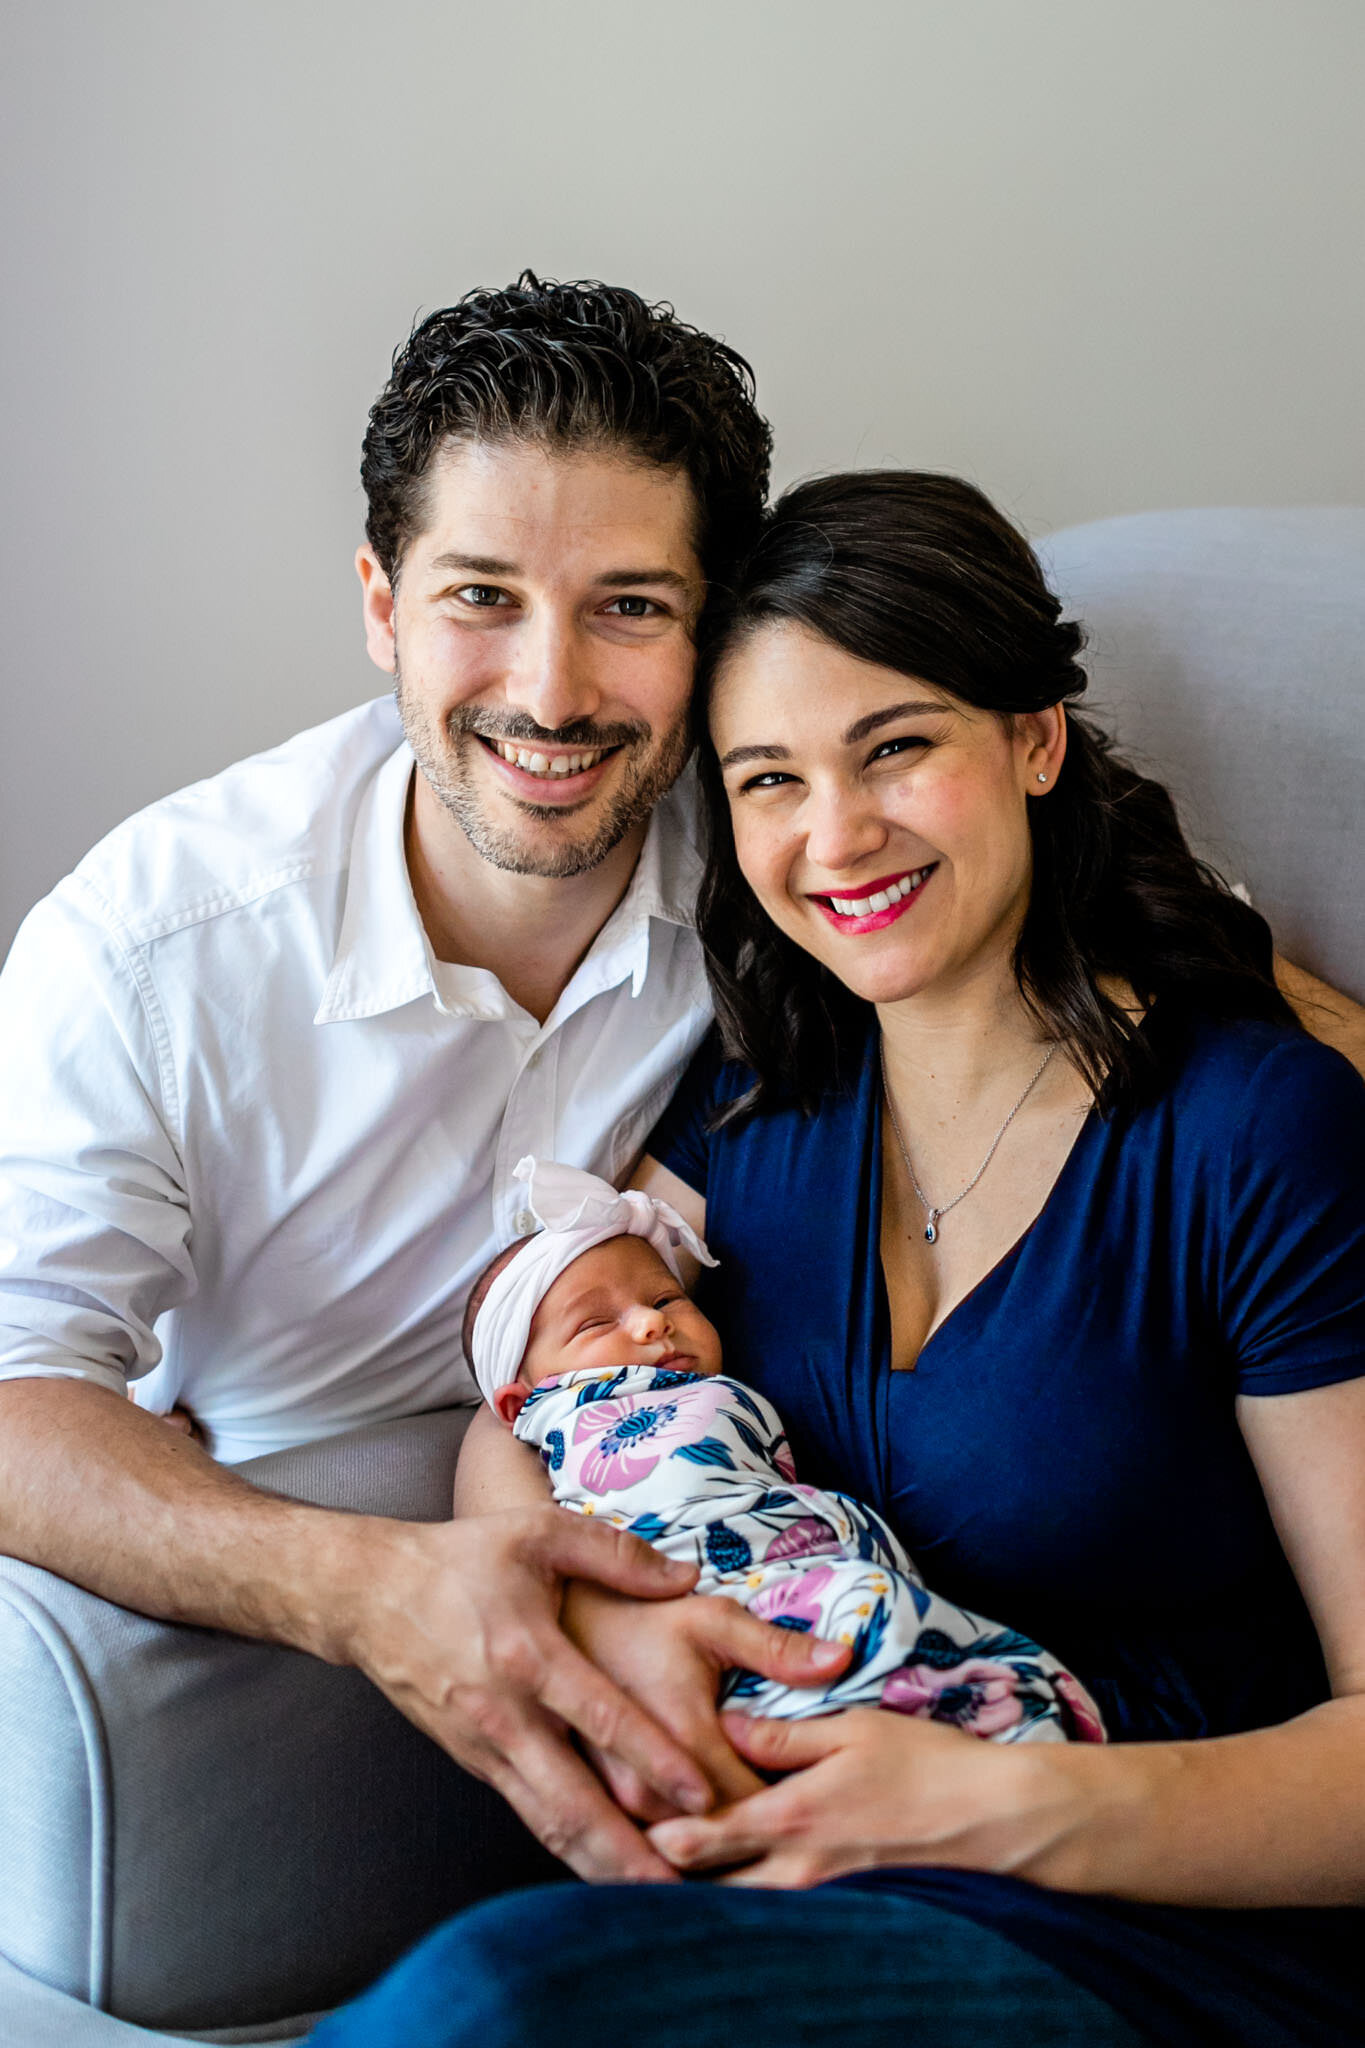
column 806, row 1537
column 1079, row 1712
column 631, row 1434
column 977, row 1695
column 794, row 1600
column 783, row 1459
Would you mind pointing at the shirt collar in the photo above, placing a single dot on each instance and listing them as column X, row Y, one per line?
column 382, row 958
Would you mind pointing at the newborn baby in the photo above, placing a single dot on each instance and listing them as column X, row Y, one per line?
column 585, row 1343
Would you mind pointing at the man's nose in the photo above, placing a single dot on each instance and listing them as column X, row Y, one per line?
column 551, row 678
column 842, row 828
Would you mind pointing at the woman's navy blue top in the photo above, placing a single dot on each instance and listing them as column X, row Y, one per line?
column 1065, row 1457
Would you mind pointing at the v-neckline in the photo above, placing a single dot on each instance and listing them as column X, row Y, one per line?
column 1007, row 1258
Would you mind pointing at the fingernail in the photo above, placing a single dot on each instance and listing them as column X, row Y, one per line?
column 692, row 1798
column 672, row 1838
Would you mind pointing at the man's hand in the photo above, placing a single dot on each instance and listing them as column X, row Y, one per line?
column 671, row 1656
column 458, row 1623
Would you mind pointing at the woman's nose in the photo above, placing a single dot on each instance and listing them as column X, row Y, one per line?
column 842, row 828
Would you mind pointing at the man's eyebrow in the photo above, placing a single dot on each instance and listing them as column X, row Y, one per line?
column 625, row 579
column 476, row 565
column 614, row 579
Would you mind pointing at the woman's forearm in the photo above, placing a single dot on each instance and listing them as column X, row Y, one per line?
column 1273, row 1818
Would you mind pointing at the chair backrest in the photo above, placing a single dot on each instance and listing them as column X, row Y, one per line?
column 1227, row 656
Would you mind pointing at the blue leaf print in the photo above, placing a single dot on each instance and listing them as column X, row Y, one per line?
column 939, row 1651
column 868, row 1640
column 742, row 1685
column 599, row 1390
column 668, row 1376
column 750, row 1438
column 1005, row 1642
column 746, row 1400
column 921, row 1599
column 553, row 1453
column 767, row 1502
column 726, row 1549
column 649, row 1527
column 707, row 1450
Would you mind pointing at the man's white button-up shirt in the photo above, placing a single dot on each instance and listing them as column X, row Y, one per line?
column 255, row 1142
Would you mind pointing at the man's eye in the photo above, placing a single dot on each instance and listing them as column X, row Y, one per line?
column 483, row 596
column 633, row 607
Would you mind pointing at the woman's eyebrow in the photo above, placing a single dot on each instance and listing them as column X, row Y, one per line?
column 738, row 754
column 859, row 730
column 861, row 727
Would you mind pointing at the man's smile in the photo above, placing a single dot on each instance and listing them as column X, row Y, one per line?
column 532, row 769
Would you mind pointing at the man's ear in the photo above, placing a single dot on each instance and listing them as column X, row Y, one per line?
column 509, row 1401
column 377, row 603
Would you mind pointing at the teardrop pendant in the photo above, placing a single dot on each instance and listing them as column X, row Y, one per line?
column 931, row 1231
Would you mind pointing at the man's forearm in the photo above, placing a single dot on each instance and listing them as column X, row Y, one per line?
column 96, row 1490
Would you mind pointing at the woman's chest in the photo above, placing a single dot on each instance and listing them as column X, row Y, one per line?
column 1069, row 1431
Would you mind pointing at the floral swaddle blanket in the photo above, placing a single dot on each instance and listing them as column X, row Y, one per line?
column 699, row 1466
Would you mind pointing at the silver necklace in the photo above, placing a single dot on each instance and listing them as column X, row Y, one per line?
column 932, row 1210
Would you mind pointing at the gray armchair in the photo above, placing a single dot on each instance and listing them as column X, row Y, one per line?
column 212, row 1840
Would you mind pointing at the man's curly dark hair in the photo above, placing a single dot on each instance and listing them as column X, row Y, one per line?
column 571, row 365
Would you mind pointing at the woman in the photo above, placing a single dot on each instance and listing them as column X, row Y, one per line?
column 1042, row 1223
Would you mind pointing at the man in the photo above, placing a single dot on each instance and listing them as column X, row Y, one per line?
column 273, row 1050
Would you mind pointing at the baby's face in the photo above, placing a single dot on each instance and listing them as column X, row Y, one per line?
column 618, row 1305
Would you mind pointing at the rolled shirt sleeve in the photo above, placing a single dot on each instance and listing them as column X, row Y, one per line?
column 94, row 1219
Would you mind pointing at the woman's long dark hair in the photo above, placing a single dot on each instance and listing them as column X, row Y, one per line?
column 920, row 574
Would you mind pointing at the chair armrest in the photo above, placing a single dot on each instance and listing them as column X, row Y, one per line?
column 201, row 1831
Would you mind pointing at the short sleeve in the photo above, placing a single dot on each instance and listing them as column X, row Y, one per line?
column 1293, row 1253
column 681, row 1140
column 94, row 1219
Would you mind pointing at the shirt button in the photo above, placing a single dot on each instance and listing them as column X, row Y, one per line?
column 523, row 1223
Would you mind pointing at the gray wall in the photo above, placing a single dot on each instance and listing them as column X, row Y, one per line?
column 1098, row 255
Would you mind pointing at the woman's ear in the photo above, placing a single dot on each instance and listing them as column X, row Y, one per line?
column 509, row 1401
column 1040, row 737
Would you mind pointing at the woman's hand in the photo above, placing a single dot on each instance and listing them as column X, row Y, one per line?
column 670, row 1655
column 869, row 1788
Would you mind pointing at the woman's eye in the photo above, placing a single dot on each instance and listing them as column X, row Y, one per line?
column 771, row 778
column 910, row 741
column 633, row 607
column 483, row 596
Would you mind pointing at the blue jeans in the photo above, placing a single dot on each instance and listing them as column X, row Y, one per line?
column 700, row 1966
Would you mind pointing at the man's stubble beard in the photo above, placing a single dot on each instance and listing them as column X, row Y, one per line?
column 443, row 757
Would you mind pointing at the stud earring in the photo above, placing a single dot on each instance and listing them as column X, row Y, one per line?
column 1042, row 778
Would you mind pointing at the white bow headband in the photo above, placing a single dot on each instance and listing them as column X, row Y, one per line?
column 577, row 1211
